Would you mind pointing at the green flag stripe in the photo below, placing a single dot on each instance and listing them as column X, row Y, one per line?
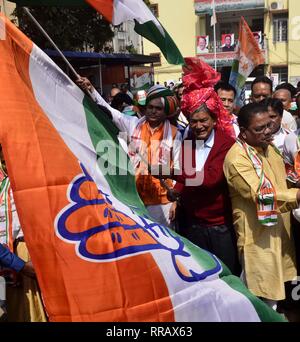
column 114, row 159
column 265, row 313
column 235, row 66
column 167, row 46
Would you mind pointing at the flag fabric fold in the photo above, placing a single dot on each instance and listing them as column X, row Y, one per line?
column 249, row 56
column 119, row 11
column 97, row 254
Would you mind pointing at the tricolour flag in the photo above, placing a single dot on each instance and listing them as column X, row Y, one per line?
column 97, row 254
column 119, row 11
column 249, row 56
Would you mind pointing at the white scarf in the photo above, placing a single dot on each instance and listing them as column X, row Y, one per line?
column 165, row 147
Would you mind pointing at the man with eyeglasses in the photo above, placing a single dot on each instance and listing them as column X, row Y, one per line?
column 261, row 203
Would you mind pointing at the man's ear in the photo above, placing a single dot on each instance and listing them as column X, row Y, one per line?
column 243, row 133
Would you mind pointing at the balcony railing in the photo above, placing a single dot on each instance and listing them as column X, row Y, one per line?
column 219, row 47
column 225, row 58
column 204, row 6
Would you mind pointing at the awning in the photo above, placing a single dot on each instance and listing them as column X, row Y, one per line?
column 106, row 58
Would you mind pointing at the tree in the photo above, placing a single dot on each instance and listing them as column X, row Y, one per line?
column 147, row 2
column 71, row 28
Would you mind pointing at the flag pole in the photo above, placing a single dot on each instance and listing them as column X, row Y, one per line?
column 27, row 11
column 77, row 76
column 215, row 42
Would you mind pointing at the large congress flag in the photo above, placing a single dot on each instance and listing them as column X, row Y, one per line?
column 97, row 254
column 119, row 11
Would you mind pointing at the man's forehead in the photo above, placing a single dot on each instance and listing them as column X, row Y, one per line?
column 114, row 91
column 260, row 119
column 262, row 86
column 223, row 92
column 157, row 102
column 282, row 93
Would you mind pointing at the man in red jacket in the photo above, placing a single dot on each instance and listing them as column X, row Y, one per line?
column 205, row 206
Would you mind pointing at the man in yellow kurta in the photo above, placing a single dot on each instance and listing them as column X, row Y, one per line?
column 261, row 205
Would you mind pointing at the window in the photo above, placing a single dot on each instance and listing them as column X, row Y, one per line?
column 120, row 28
column 282, row 73
column 280, row 24
column 121, row 43
column 226, row 28
column 154, row 10
column 257, row 25
column 158, row 55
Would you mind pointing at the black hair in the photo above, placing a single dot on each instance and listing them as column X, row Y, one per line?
column 180, row 85
column 287, row 86
column 249, row 111
column 121, row 98
column 225, row 86
column 124, row 86
column 275, row 104
column 262, row 79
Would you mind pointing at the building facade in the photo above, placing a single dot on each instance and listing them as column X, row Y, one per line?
column 282, row 29
column 228, row 14
column 276, row 25
column 6, row 7
column 179, row 20
column 126, row 39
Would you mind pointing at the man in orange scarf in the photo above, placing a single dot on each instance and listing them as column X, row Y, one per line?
column 153, row 140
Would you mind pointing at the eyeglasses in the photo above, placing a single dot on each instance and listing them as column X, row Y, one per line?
column 261, row 129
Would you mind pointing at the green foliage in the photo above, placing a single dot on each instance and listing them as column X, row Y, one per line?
column 147, row 2
column 70, row 28
column 131, row 49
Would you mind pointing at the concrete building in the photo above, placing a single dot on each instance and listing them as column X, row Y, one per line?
column 276, row 23
column 282, row 29
column 126, row 39
column 178, row 18
column 6, row 7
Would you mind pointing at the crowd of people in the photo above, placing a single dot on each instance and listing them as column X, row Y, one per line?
column 226, row 178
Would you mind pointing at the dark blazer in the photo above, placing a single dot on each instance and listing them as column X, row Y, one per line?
column 228, row 48
column 209, row 203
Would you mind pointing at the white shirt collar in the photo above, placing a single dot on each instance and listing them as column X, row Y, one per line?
column 281, row 130
column 211, row 139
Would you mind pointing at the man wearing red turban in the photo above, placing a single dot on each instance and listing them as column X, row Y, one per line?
column 204, row 199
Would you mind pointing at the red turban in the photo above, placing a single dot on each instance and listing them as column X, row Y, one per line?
column 199, row 79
